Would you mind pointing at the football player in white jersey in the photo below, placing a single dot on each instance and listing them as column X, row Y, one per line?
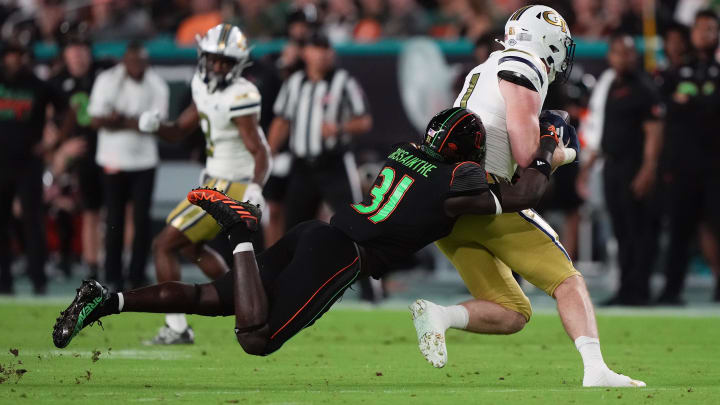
column 227, row 108
column 507, row 92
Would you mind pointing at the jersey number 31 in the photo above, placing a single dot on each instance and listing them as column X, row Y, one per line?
column 380, row 208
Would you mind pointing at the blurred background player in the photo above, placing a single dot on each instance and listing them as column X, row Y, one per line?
column 624, row 127
column 319, row 110
column 507, row 92
column 127, row 156
column 24, row 100
column 227, row 108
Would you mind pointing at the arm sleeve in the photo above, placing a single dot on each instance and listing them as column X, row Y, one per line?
column 468, row 178
column 99, row 105
column 244, row 101
column 356, row 97
column 518, row 64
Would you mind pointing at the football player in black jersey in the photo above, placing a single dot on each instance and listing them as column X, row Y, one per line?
column 415, row 200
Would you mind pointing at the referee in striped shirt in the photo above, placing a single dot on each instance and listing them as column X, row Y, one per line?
column 320, row 108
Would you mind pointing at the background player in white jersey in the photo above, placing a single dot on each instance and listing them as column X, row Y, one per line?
column 227, row 108
column 507, row 92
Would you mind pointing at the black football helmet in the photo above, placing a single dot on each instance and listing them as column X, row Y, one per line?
column 455, row 135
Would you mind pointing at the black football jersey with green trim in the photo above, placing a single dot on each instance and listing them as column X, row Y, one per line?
column 404, row 210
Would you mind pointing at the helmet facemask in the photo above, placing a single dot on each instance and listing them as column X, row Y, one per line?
column 218, row 81
column 562, row 74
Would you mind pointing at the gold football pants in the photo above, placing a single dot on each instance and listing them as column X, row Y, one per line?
column 484, row 248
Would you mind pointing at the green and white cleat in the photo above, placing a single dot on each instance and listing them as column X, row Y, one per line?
column 430, row 328
column 83, row 311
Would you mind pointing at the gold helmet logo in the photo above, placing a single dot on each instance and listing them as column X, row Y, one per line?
column 552, row 18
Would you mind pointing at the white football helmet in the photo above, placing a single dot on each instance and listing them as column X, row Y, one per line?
column 225, row 40
column 543, row 32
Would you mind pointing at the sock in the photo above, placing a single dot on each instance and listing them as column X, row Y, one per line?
column 239, row 234
column 243, row 247
column 176, row 322
column 456, row 316
column 589, row 349
column 121, row 302
column 111, row 306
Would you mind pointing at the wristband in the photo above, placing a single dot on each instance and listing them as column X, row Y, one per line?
column 541, row 165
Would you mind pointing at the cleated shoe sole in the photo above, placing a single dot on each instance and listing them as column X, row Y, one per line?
column 81, row 312
column 226, row 211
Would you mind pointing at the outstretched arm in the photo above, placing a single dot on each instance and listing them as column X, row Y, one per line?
column 185, row 125
column 525, row 193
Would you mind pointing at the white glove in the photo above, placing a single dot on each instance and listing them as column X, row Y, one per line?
column 253, row 193
column 149, row 122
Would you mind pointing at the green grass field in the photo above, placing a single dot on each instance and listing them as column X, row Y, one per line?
column 352, row 356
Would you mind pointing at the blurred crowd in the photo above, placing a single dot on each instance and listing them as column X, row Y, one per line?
column 47, row 21
column 60, row 183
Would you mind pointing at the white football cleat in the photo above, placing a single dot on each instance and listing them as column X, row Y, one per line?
column 430, row 327
column 604, row 377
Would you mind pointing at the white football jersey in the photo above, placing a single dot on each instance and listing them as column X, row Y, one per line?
column 481, row 95
column 227, row 156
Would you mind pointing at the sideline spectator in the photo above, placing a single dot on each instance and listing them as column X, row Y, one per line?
column 75, row 82
column 116, row 20
column 205, row 15
column 676, row 44
column 405, row 19
column 693, row 177
column 128, row 157
column 340, row 19
column 23, row 104
column 626, row 131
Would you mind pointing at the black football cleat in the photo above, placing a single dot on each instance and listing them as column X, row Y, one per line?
column 226, row 211
column 83, row 311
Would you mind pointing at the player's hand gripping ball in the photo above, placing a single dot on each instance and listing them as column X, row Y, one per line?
column 566, row 132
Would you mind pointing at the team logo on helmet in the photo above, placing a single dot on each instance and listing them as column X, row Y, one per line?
column 552, row 18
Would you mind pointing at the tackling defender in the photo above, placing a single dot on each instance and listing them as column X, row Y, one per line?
column 227, row 108
column 415, row 200
column 507, row 92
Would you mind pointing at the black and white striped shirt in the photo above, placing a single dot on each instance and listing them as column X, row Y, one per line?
column 307, row 105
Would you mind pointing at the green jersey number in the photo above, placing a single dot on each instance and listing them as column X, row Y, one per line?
column 205, row 126
column 381, row 207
